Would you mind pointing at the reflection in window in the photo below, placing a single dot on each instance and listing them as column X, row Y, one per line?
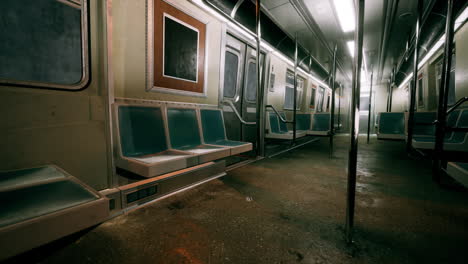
column 231, row 66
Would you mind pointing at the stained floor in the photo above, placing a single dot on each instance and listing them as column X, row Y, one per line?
column 291, row 209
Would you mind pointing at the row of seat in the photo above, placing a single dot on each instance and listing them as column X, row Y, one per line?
column 317, row 124
column 424, row 131
column 158, row 138
column 393, row 126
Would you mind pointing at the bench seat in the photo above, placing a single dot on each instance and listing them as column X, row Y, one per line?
column 454, row 141
column 391, row 125
column 320, row 124
column 142, row 146
column 279, row 130
column 184, row 135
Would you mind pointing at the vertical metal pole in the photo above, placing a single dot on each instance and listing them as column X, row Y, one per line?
column 414, row 80
column 370, row 108
column 340, row 90
column 352, row 158
column 260, row 93
column 332, row 106
column 392, row 81
column 441, row 122
column 295, row 90
column 389, row 91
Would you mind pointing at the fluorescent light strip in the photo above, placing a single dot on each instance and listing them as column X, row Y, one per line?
column 345, row 12
column 458, row 22
column 246, row 33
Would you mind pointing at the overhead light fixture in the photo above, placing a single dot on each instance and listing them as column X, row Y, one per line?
column 345, row 12
column 351, row 47
column 249, row 34
column 458, row 22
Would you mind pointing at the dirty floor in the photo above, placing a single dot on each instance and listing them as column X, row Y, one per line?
column 291, row 209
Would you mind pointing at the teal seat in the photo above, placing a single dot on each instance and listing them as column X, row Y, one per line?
column 141, row 131
column 283, row 126
column 143, row 143
column 303, row 122
column 279, row 130
column 423, row 123
column 184, row 134
column 274, row 123
column 449, row 137
column 22, row 204
column 453, row 141
column 29, row 176
column 320, row 124
column 214, row 132
column 43, row 204
column 391, row 125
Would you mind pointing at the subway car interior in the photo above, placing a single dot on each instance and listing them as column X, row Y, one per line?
column 233, row 131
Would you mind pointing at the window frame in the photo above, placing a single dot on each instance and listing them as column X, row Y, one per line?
column 300, row 90
column 85, row 80
column 320, row 99
column 438, row 65
column 238, row 73
column 155, row 80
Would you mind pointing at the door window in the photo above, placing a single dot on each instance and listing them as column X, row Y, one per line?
column 231, row 70
column 312, row 97
column 251, row 83
column 321, row 92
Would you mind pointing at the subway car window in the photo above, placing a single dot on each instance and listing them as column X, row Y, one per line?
column 231, row 67
column 289, row 91
column 47, row 44
column 451, row 100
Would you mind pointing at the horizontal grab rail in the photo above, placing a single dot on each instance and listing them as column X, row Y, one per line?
column 229, row 103
column 279, row 116
column 457, row 104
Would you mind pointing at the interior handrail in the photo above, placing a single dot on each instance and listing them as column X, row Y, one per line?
column 454, row 107
column 457, row 104
column 279, row 116
column 229, row 103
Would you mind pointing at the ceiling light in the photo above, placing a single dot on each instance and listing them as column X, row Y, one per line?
column 351, row 47
column 345, row 12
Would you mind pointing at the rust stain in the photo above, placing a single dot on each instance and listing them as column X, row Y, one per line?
column 187, row 255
